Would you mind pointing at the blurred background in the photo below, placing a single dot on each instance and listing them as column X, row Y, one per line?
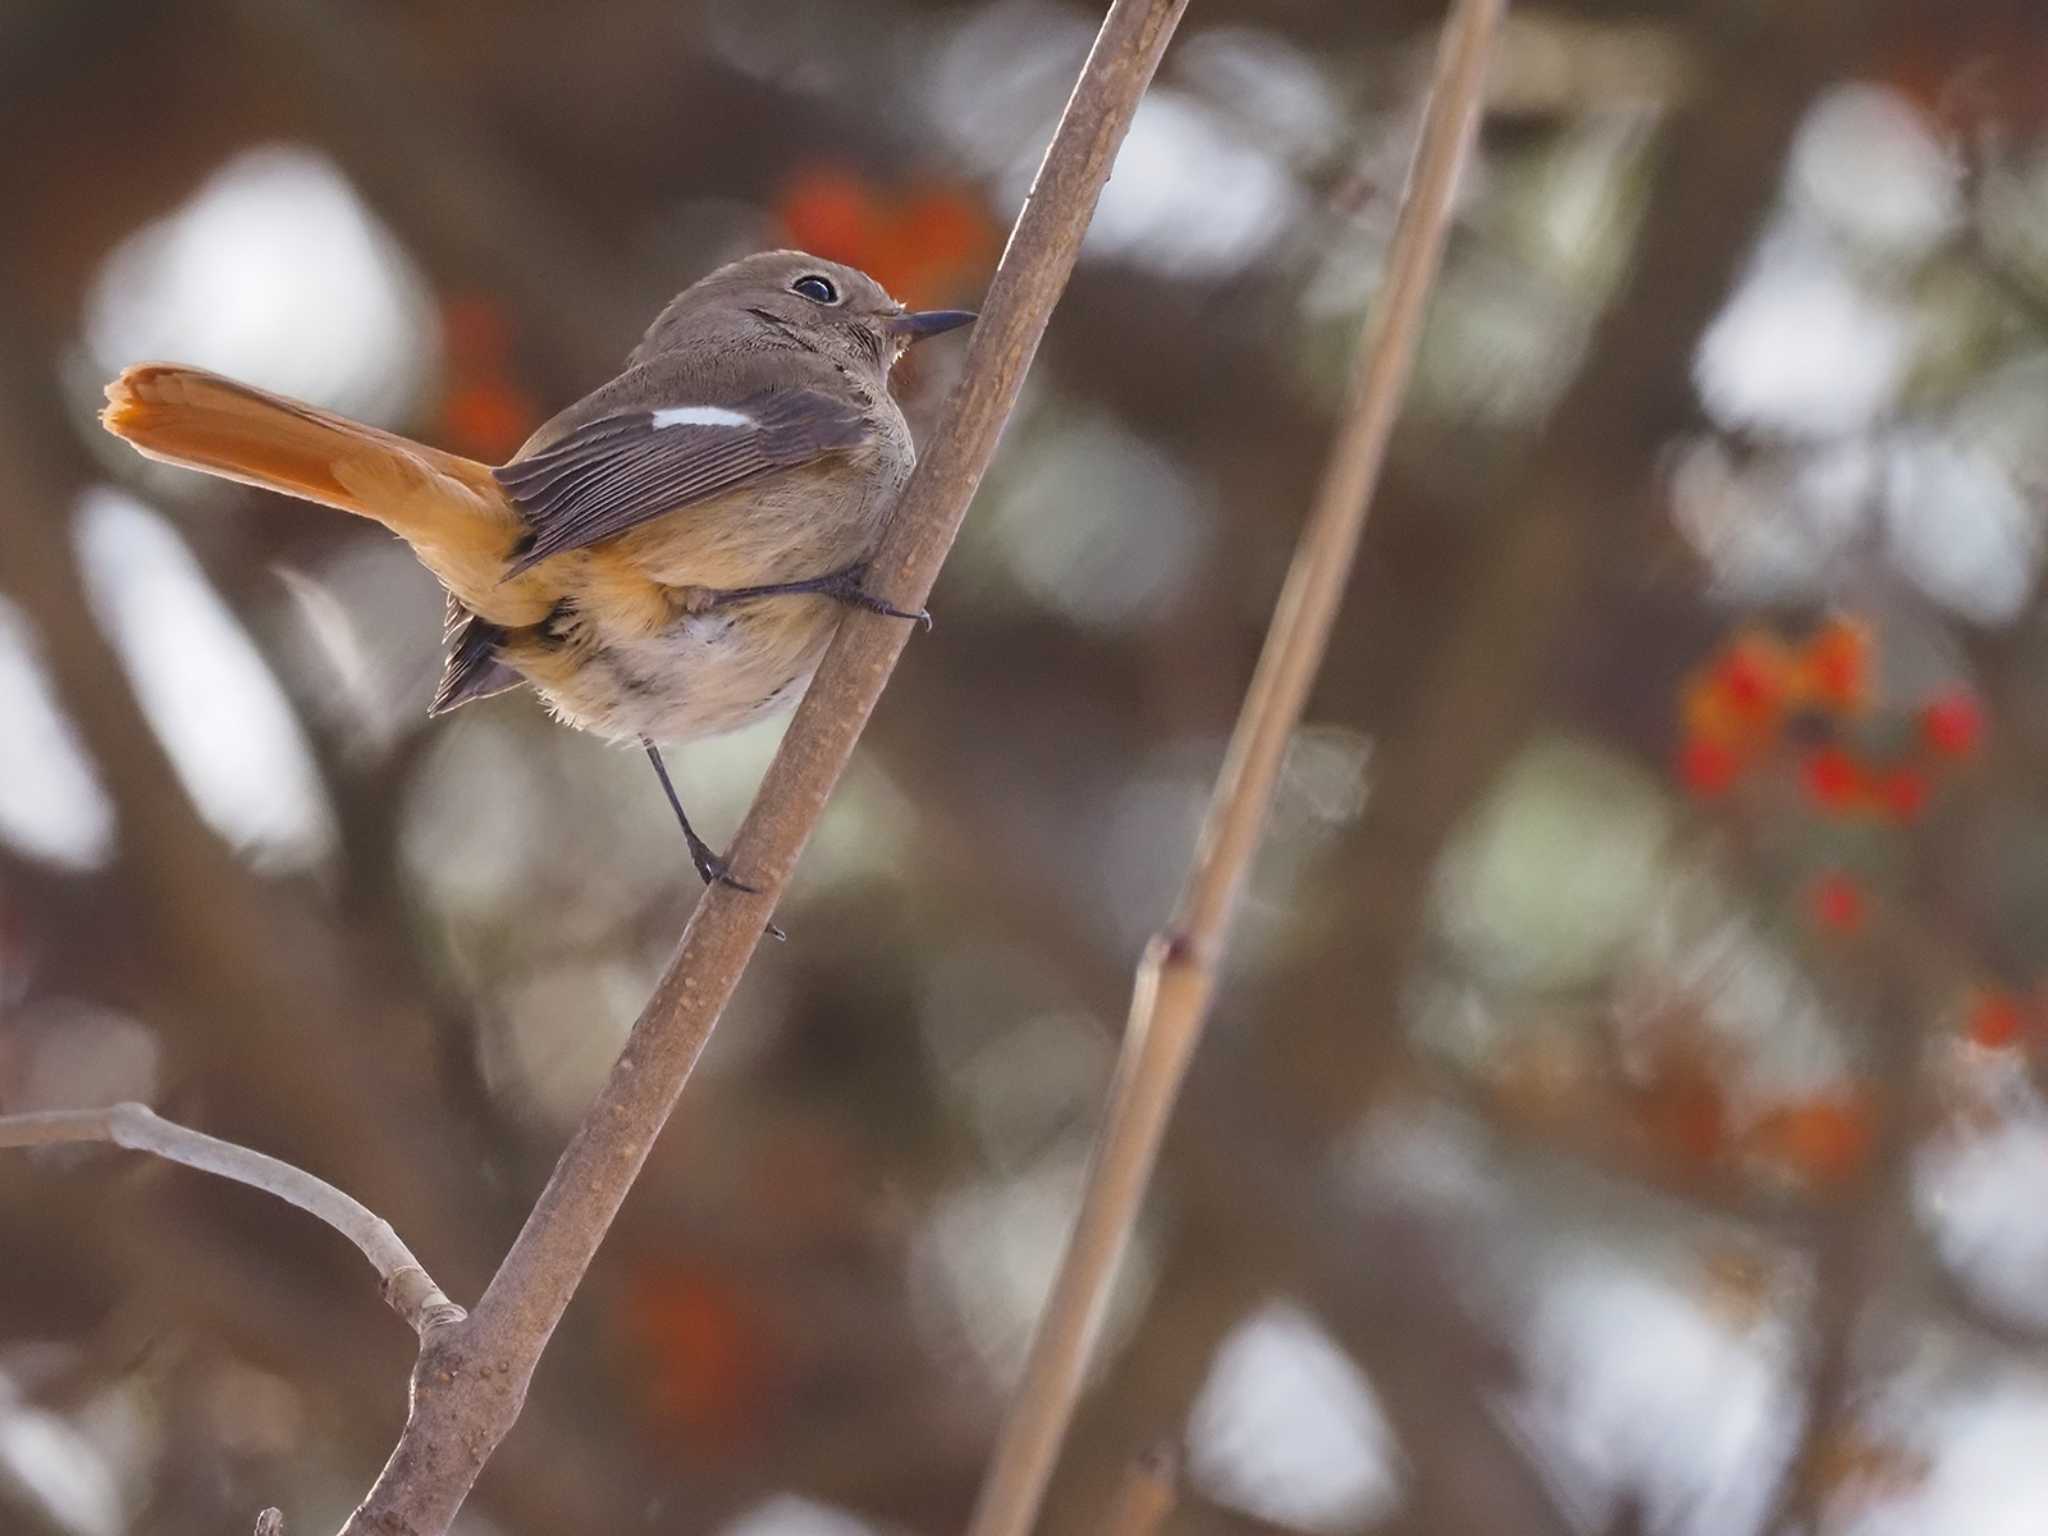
column 1624, row 1108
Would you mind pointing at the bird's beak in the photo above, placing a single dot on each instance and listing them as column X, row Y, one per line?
column 916, row 324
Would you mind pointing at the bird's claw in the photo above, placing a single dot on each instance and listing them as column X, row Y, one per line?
column 850, row 588
column 716, row 869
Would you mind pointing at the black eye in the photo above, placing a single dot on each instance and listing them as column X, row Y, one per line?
column 816, row 289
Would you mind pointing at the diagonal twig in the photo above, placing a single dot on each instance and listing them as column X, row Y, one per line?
column 471, row 1379
column 1176, row 978
column 407, row 1287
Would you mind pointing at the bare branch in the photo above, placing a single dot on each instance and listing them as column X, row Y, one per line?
column 1177, row 976
column 471, row 1379
column 407, row 1287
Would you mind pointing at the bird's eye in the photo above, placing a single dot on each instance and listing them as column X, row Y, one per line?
column 815, row 288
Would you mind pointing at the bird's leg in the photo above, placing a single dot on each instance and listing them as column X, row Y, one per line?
column 712, row 867
column 845, row 585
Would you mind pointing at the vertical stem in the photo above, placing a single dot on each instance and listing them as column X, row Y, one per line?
column 1176, row 979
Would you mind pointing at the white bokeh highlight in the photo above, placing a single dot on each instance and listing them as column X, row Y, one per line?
column 53, row 806
column 1978, row 1198
column 1871, row 167
column 1634, row 1390
column 1986, row 1474
column 1803, row 349
column 48, row 1463
column 1775, row 530
column 1191, row 197
column 230, row 732
column 1287, row 1429
column 1958, row 528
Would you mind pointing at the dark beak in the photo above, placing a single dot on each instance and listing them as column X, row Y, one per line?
column 919, row 323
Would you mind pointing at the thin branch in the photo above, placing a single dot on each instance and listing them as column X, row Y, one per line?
column 471, row 1379
column 1176, row 978
column 407, row 1287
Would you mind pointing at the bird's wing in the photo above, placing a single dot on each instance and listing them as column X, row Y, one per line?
column 614, row 473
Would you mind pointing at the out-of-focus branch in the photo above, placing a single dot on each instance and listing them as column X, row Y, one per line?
column 472, row 1376
column 1176, row 979
column 407, row 1286
column 1867, row 1231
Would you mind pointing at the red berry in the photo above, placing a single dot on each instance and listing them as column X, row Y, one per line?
column 1995, row 1021
column 1833, row 778
column 1953, row 724
column 1707, row 768
column 1837, row 903
column 1751, row 677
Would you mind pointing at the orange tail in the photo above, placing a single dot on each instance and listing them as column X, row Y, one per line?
column 447, row 507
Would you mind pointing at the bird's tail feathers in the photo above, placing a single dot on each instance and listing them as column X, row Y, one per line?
column 446, row 506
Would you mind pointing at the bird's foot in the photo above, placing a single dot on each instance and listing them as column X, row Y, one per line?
column 713, row 868
column 842, row 585
column 847, row 587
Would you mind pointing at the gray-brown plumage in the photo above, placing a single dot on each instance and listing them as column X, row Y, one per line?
column 668, row 557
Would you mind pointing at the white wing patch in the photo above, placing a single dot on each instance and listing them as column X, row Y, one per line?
column 701, row 416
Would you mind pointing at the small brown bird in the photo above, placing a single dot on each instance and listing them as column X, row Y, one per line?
column 668, row 557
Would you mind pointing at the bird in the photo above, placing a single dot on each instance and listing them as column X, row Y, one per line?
column 664, row 560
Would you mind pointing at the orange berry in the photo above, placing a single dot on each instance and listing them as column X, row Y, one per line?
column 709, row 1364
column 948, row 224
column 1739, row 695
column 1834, row 667
column 831, row 213
column 1825, row 1139
column 1837, row 902
column 488, row 417
column 1953, row 725
column 932, row 241
column 1703, row 710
